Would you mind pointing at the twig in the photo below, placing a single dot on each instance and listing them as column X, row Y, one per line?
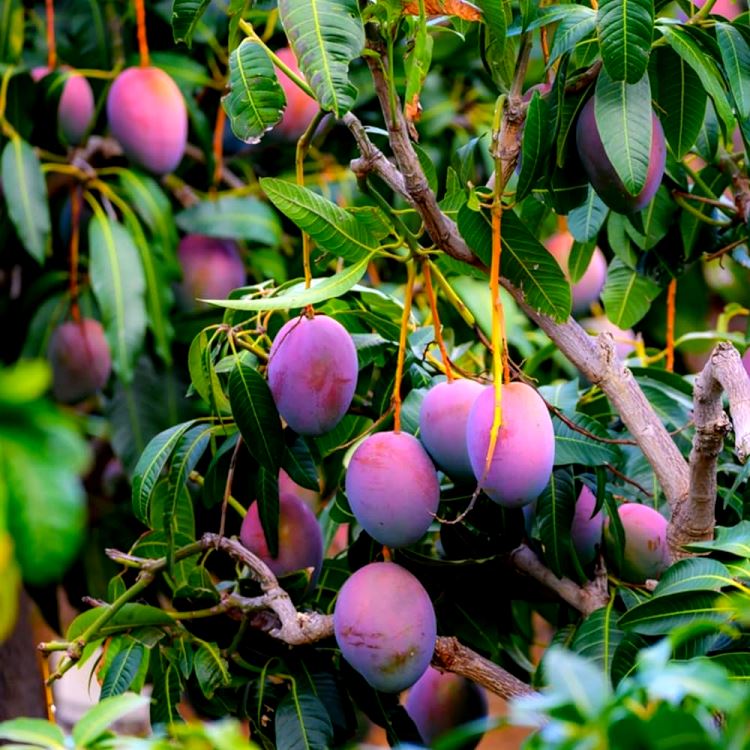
column 627, row 479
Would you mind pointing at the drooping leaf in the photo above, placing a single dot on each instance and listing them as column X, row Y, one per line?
column 734, row 540
column 658, row 616
column 100, row 717
column 255, row 412
column 535, row 145
column 268, row 499
column 124, row 668
column 203, row 373
column 30, row 731
column 576, row 24
column 576, row 447
column 326, row 35
column 735, row 54
column 625, row 32
column 302, row 723
column 598, row 637
column 627, row 295
column 210, row 668
column 694, row 574
column 186, row 15
column 624, row 121
column 167, row 690
column 554, row 513
column 26, row 191
column 330, row 226
column 119, row 287
column 11, row 30
column 295, row 295
column 255, row 101
column 129, row 616
column 585, row 221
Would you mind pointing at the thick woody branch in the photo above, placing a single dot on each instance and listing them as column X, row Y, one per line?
column 586, row 599
column 694, row 519
column 452, row 656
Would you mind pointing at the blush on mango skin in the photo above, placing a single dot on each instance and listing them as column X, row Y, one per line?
column 76, row 107
column 148, row 117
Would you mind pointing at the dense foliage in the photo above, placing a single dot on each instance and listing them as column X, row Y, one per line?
column 267, row 297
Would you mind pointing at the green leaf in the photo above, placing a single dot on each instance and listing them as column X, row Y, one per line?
column 325, row 35
column 585, row 221
column 233, row 217
column 659, row 615
column 167, row 690
column 680, row 98
column 573, row 447
column 627, row 295
column 651, row 225
column 526, row 262
column 694, row 574
column 625, row 32
column 579, row 259
column 129, row 616
column 300, row 465
column 495, row 21
column 33, row 731
column 735, row 54
column 330, row 226
column 211, row 668
column 150, row 465
column 598, row 637
column 25, row 191
column 734, row 540
column 11, row 30
column 302, row 723
column 534, row 146
column 255, row 412
column 255, row 102
column 575, row 680
column 554, row 513
column 268, row 499
column 295, row 295
column 203, row 374
column 152, row 204
column 624, row 121
column 186, row 14
column 577, row 23
column 124, row 668
column 97, row 720
column 119, row 287
column 708, row 72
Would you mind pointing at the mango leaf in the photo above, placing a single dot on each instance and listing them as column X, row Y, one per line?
column 734, row 540
column 150, row 465
column 659, row 615
column 554, row 513
column 330, row 226
column 585, row 221
column 495, row 20
column 302, row 723
column 210, row 668
column 534, row 146
column 26, row 192
column 99, row 718
column 295, row 295
column 577, row 23
column 33, row 731
column 598, row 637
column 11, row 31
column 651, row 225
column 627, row 295
column 124, row 668
column 234, row 217
column 325, row 35
column 267, row 494
column 625, row 31
column 708, row 72
column 680, row 98
column 624, row 121
column 573, row 447
column 186, row 14
column 119, row 287
column 129, row 616
column 203, row 373
column 735, row 54
column 694, row 574
column 256, row 101
column 255, row 412
column 167, row 689
column 579, row 259
column 525, row 261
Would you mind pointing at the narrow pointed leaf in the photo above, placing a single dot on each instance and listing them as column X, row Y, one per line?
column 186, row 14
column 119, row 287
column 33, row 732
column 302, row 723
column 255, row 412
column 255, row 102
column 210, row 668
column 124, row 668
column 98, row 719
column 577, row 23
column 659, row 615
column 625, row 30
column 735, row 54
column 326, row 35
column 694, row 574
column 554, row 512
column 574, row 447
column 26, row 195
column 598, row 637
column 585, row 221
column 627, row 295
column 267, row 494
column 535, row 145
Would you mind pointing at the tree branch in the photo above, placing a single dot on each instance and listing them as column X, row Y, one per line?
column 693, row 520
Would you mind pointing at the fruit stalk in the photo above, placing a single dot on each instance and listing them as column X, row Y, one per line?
column 49, row 6
column 436, row 319
column 408, row 292
column 140, row 16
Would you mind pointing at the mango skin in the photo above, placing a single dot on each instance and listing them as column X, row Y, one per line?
column 312, row 373
column 211, row 269
column 300, row 538
column 441, row 701
column 300, row 108
column 585, row 531
column 385, row 626
column 646, row 554
column 80, row 358
column 148, row 117
column 525, row 450
column 289, row 488
column 587, row 289
column 442, row 425
column 602, row 174
column 76, row 107
column 393, row 488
